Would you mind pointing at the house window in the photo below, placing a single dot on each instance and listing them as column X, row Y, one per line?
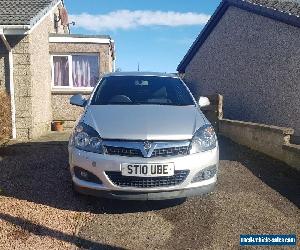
column 61, row 71
column 75, row 71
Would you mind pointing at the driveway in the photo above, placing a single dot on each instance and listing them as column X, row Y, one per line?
column 255, row 194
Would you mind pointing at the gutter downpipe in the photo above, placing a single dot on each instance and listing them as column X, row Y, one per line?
column 11, row 84
column 113, row 47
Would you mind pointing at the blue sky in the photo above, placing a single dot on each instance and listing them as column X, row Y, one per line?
column 154, row 33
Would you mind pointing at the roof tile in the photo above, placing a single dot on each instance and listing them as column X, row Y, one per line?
column 22, row 12
column 288, row 6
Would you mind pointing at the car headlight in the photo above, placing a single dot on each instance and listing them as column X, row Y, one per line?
column 86, row 138
column 204, row 139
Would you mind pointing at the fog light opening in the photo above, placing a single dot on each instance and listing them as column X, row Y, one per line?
column 205, row 174
column 85, row 175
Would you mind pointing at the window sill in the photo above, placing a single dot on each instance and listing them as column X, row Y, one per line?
column 71, row 91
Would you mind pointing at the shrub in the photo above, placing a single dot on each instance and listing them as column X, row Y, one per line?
column 5, row 117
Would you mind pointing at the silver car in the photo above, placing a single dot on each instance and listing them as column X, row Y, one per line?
column 142, row 136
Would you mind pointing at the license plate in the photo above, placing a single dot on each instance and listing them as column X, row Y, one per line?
column 148, row 170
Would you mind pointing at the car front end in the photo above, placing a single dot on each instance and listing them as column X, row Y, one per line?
column 143, row 152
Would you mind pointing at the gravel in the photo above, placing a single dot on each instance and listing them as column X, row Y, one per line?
column 38, row 209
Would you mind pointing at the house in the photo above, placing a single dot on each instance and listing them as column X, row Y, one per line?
column 249, row 52
column 42, row 64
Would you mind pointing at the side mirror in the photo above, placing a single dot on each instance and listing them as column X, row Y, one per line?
column 203, row 102
column 78, row 100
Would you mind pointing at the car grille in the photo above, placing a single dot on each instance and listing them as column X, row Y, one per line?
column 147, row 182
column 161, row 152
column 131, row 152
column 170, row 151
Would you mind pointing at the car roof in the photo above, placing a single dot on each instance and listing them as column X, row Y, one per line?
column 137, row 73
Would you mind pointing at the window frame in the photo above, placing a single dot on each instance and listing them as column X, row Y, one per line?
column 70, row 87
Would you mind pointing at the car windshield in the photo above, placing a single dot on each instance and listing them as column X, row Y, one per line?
column 137, row 90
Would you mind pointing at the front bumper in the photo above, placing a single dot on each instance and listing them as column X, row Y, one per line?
column 98, row 164
column 160, row 195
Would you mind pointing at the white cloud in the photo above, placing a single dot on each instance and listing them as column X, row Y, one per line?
column 126, row 19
